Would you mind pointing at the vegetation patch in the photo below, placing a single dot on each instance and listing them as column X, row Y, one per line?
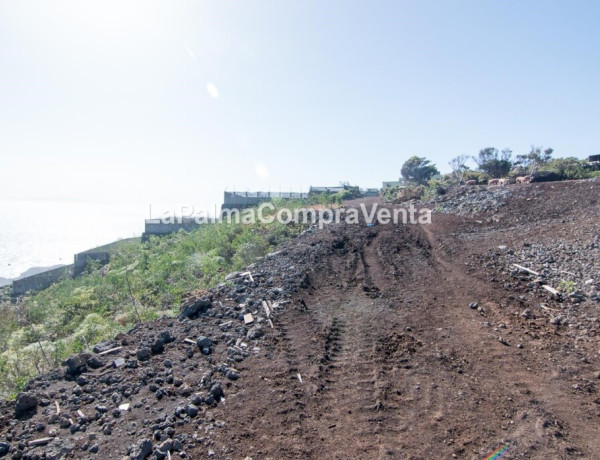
column 142, row 281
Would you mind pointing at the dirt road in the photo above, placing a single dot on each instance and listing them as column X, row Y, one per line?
column 395, row 364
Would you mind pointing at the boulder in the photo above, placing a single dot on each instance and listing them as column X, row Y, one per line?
column 204, row 343
column 95, row 363
column 76, row 364
column 59, row 448
column 255, row 332
column 191, row 410
column 167, row 337
column 158, row 346
column 25, row 403
column 144, row 354
column 194, row 308
column 546, row 176
column 141, row 449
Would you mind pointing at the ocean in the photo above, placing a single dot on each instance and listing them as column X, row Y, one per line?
column 47, row 233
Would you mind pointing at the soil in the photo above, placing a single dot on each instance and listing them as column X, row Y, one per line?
column 398, row 341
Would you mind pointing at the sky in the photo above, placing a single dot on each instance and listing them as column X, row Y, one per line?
column 173, row 102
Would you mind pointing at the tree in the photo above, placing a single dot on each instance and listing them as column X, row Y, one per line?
column 459, row 167
column 418, row 169
column 350, row 191
column 535, row 158
column 493, row 163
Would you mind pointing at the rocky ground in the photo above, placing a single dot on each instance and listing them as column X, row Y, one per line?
column 383, row 341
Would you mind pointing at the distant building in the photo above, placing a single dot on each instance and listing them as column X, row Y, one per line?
column 594, row 158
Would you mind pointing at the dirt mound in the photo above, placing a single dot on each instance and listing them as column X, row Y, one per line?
column 382, row 341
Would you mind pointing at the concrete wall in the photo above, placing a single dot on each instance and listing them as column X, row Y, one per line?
column 100, row 254
column 158, row 227
column 45, row 279
column 82, row 259
column 241, row 200
column 41, row 280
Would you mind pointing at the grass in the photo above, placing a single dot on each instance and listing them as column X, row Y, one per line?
column 143, row 281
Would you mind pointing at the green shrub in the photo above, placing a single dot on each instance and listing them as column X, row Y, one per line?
column 568, row 168
column 566, row 286
column 480, row 177
column 400, row 194
column 518, row 172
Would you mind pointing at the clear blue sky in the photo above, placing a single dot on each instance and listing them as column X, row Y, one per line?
column 171, row 102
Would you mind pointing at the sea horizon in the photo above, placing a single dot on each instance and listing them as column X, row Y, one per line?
column 45, row 233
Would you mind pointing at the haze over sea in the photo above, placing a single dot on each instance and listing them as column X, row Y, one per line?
column 46, row 233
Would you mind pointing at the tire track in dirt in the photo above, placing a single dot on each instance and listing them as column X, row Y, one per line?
column 395, row 365
column 359, row 400
column 356, row 398
column 275, row 388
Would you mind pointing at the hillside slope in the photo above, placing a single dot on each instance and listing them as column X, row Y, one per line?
column 408, row 342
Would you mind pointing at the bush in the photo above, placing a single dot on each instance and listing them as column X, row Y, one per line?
column 400, row 194
column 567, row 168
column 350, row 192
column 518, row 171
column 480, row 177
column 435, row 188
